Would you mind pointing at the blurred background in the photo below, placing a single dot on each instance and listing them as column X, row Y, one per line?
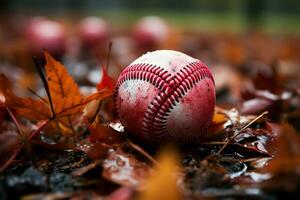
column 236, row 39
column 230, row 15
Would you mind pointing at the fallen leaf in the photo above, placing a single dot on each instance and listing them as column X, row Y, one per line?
column 162, row 183
column 216, row 127
column 26, row 107
column 224, row 119
column 219, row 118
column 104, row 133
column 106, row 82
column 61, row 84
column 285, row 167
column 94, row 151
column 75, row 104
column 124, row 169
column 64, row 92
column 10, row 141
column 255, row 106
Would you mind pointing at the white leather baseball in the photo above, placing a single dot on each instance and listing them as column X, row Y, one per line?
column 166, row 96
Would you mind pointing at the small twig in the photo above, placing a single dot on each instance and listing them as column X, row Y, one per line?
column 9, row 161
column 37, row 95
column 37, row 131
column 108, row 55
column 240, row 131
column 39, row 68
column 144, row 153
column 15, row 121
column 83, row 170
column 213, row 143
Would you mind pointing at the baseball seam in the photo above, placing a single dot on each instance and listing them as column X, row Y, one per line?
column 173, row 89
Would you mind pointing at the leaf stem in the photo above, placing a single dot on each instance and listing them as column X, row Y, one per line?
column 9, row 161
column 37, row 95
column 15, row 121
column 108, row 55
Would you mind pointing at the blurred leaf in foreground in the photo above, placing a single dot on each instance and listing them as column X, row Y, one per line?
column 285, row 167
column 162, row 183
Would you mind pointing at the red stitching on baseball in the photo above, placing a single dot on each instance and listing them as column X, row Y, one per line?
column 156, row 115
column 172, row 88
column 146, row 72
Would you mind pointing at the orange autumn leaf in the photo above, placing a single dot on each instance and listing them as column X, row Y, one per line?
column 219, row 118
column 64, row 92
column 66, row 98
column 30, row 108
column 162, row 184
column 75, row 104
column 61, row 84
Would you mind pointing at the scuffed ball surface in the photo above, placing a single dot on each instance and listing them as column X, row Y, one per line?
column 166, row 96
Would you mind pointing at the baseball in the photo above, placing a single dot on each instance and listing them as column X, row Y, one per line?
column 166, row 96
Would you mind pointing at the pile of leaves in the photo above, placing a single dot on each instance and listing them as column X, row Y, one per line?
column 65, row 145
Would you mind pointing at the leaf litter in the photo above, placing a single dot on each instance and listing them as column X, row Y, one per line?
column 67, row 145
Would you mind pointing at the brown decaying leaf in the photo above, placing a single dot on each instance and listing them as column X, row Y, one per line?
column 285, row 166
column 124, row 169
column 104, row 133
column 94, row 150
column 10, row 140
column 223, row 119
column 65, row 96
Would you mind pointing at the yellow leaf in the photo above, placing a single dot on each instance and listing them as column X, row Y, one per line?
column 162, row 184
